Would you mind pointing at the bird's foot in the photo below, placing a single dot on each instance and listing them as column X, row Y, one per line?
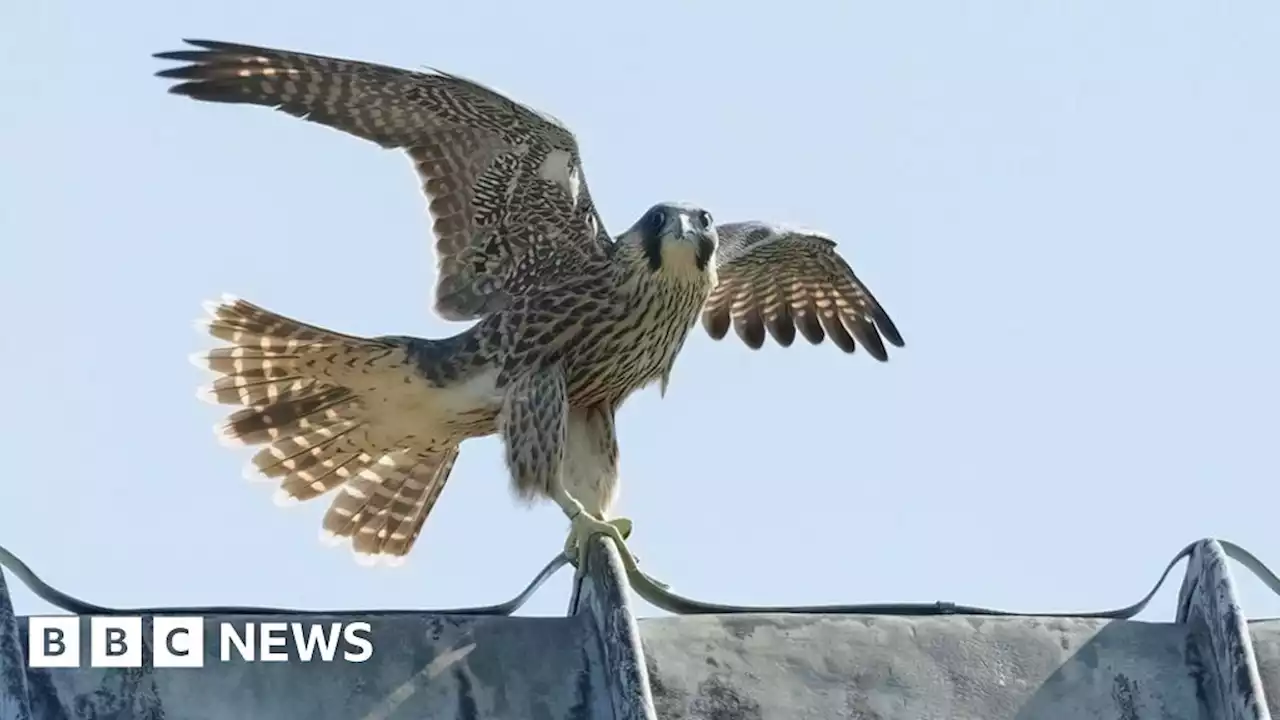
column 624, row 526
column 584, row 526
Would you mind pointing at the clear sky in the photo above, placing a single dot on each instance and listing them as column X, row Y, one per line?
column 1069, row 208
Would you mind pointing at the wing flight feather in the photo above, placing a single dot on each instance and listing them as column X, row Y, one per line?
column 506, row 194
column 776, row 281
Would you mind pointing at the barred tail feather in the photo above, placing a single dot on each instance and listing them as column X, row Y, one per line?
column 294, row 383
column 383, row 509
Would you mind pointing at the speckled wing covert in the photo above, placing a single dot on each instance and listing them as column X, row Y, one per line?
column 777, row 279
column 506, row 193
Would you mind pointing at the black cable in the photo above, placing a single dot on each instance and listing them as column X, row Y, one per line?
column 71, row 604
column 648, row 589
column 663, row 598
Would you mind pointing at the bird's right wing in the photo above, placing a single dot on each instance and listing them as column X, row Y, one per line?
column 505, row 187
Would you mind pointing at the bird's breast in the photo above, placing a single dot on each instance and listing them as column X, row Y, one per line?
column 633, row 344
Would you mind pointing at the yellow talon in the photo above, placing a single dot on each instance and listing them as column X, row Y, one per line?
column 584, row 526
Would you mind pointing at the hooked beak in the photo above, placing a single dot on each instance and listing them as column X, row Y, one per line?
column 703, row 240
column 706, row 248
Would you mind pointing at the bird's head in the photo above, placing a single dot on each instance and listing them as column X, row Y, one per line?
column 675, row 238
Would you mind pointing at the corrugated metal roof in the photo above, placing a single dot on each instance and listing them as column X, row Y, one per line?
column 712, row 661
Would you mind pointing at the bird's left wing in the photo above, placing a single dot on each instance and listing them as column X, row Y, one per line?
column 778, row 279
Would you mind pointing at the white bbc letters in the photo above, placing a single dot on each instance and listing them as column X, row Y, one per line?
column 115, row 641
column 177, row 642
column 53, row 642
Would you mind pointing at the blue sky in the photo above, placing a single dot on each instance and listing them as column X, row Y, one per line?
column 1069, row 209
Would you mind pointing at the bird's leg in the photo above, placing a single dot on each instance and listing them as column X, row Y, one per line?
column 583, row 526
column 534, row 423
column 589, row 476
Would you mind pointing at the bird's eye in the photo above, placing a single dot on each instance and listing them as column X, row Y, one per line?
column 658, row 220
column 706, row 219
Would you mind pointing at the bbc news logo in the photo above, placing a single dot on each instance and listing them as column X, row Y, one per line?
column 117, row 642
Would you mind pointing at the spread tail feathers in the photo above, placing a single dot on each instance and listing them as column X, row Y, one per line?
column 318, row 401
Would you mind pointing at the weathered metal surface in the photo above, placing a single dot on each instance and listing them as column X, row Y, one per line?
column 891, row 668
column 14, row 690
column 599, row 662
column 1220, row 652
column 434, row 666
column 1266, row 648
column 601, row 594
column 424, row 665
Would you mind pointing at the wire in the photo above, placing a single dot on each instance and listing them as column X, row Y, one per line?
column 72, row 604
column 656, row 594
column 647, row 588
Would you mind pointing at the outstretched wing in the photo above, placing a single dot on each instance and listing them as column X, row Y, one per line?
column 776, row 279
column 504, row 183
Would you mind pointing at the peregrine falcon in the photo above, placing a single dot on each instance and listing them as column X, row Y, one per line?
column 568, row 321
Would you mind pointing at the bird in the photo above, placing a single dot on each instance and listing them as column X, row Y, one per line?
column 567, row 321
